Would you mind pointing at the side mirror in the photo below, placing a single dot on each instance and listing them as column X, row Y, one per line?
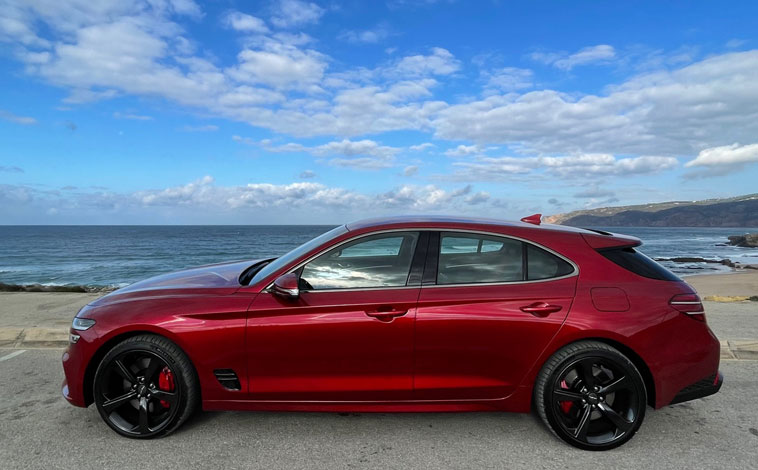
column 286, row 286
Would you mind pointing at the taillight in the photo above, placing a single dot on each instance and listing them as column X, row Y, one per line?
column 689, row 304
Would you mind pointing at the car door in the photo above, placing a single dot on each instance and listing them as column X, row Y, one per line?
column 485, row 314
column 349, row 334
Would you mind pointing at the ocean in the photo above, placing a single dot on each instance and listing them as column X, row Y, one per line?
column 115, row 256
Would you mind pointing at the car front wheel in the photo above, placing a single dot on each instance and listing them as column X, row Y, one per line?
column 145, row 387
column 590, row 395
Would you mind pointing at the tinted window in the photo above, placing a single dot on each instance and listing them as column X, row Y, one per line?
column 283, row 261
column 375, row 261
column 473, row 258
column 634, row 261
column 544, row 265
column 389, row 246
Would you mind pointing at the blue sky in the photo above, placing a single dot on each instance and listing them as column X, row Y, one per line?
column 290, row 111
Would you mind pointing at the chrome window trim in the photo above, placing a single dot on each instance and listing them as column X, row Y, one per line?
column 575, row 272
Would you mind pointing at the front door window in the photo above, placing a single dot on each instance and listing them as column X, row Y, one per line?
column 382, row 260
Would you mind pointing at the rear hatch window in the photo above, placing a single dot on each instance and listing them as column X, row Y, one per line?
column 636, row 262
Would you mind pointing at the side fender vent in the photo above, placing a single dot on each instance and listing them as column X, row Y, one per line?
column 227, row 378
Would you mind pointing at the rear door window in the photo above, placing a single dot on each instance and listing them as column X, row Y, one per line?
column 473, row 258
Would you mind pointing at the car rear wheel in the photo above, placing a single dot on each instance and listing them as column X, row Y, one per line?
column 590, row 395
column 145, row 387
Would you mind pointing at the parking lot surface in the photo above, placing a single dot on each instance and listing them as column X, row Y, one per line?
column 38, row 429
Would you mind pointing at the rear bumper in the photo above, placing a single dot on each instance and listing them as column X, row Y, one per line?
column 701, row 388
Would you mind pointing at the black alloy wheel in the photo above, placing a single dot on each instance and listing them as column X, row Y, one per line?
column 591, row 396
column 145, row 387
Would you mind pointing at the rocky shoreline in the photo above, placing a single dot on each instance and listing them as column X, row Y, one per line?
column 725, row 262
column 43, row 288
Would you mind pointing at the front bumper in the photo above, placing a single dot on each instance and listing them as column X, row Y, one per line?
column 701, row 388
column 75, row 360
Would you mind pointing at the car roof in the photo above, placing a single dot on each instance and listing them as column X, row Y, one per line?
column 452, row 222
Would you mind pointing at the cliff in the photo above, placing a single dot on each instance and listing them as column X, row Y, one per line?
column 741, row 211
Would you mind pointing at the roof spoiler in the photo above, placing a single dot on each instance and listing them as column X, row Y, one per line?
column 611, row 240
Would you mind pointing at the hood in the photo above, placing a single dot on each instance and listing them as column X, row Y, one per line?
column 221, row 278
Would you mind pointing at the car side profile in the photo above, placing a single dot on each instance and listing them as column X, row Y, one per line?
column 405, row 314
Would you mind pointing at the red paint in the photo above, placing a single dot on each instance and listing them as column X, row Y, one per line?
column 535, row 219
column 609, row 299
column 421, row 348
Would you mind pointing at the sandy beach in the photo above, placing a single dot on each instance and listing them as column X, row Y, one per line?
column 736, row 284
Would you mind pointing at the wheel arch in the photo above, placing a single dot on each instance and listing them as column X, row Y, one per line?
column 113, row 340
column 636, row 359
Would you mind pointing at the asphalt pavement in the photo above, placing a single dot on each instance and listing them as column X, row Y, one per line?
column 38, row 429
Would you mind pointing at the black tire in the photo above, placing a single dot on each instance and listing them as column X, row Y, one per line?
column 127, row 392
column 596, row 411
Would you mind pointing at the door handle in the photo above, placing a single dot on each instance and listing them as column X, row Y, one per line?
column 540, row 309
column 385, row 314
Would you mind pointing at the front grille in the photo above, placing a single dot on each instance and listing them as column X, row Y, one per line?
column 227, row 378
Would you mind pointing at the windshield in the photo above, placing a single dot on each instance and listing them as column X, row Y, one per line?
column 284, row 260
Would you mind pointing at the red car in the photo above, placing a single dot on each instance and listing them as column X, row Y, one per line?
column 405, row 314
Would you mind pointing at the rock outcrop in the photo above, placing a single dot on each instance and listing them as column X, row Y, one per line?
column 749, row 240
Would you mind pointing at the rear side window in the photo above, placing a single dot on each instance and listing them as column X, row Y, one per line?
column 473, row 258
column 544, row 265
column 469, row 258
column 636, row 262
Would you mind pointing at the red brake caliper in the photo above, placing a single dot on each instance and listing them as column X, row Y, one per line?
column 166, row 383
column 565, row 405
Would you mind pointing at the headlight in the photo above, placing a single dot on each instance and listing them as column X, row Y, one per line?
column 82, row 324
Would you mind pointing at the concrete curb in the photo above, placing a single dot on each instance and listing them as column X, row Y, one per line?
column 56, row 338
column 33, row 338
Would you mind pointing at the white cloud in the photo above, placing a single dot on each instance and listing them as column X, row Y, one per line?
column 9, row 116
column 439, row 62
column 464, row 150
column 410, row 170
column 246, row 23
column 133, row 117
column 280, row 82
column 595, row 192
column 734, row 155
column 421, row 198
column 735, row 43
column 366, row 36
column 477, row 198
column 594, row 54
column 421, row 147
column 280, row 66
column 362, row 154
column 351, row 148
column 714, row 101
column 508, row 79
column 243, row 140
column 291, row 13
column 205, row 194
column 307, row 174
column 569, row 167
